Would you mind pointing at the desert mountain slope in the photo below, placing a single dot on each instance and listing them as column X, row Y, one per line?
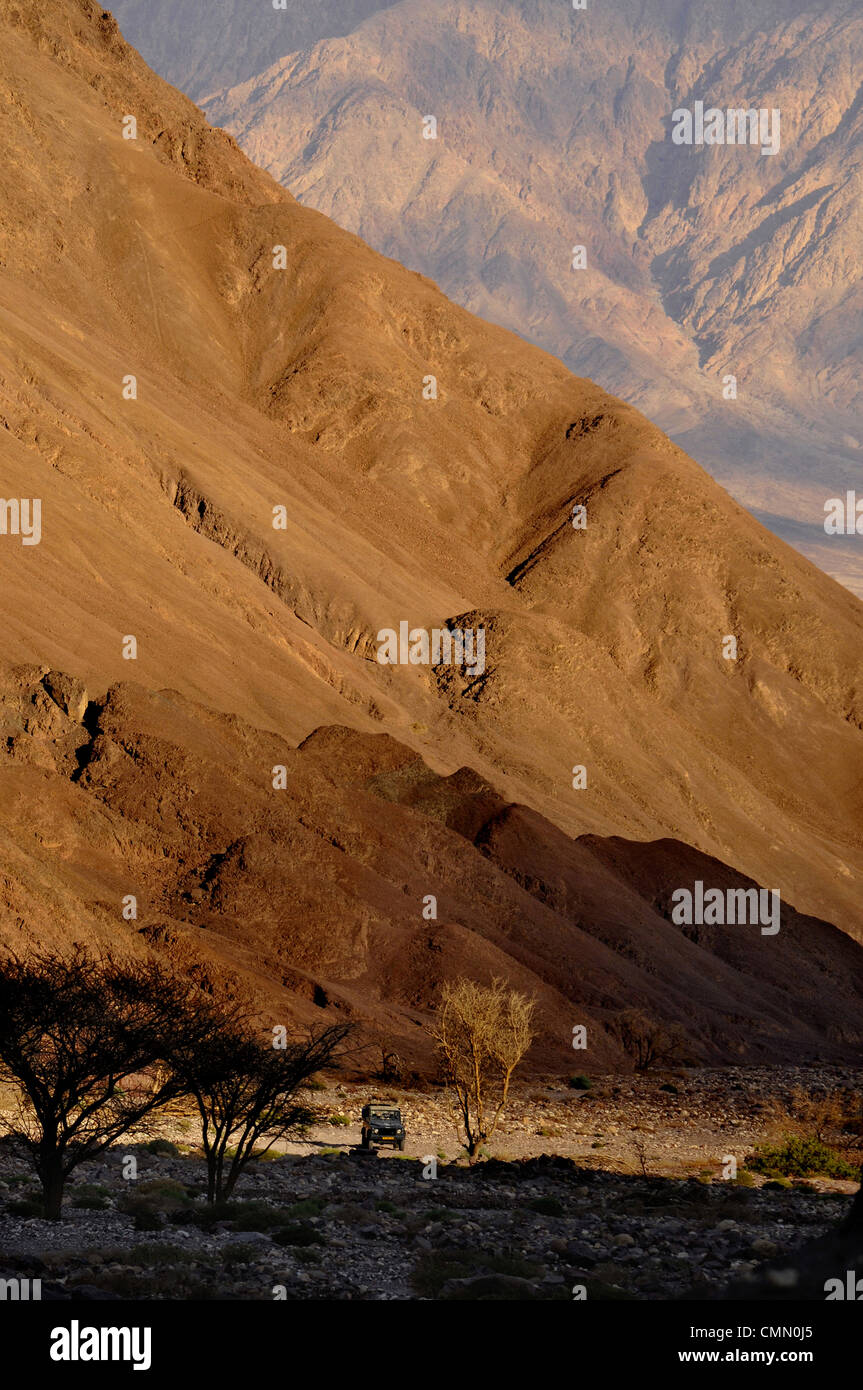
column 302, row 388
column 554, row 131
column 314, row 895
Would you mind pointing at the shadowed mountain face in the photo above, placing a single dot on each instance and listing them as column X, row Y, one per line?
column 318, row 889
column 275, row 488
column 554, row 131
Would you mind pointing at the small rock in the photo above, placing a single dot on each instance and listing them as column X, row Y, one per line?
column 763, row 1246
column 67, row 692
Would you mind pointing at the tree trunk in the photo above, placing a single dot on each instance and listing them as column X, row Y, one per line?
column 231, row 1182
column 53, row 1183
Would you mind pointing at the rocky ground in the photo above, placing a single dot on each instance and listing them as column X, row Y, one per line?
column 616, row 1190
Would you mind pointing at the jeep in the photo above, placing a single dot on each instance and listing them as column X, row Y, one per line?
column 382, row 1124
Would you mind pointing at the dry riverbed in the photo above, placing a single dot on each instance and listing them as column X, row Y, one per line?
column 616, row 1190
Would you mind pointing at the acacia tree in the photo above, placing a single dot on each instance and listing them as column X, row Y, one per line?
column 646, row 1041
column 391, row 1062
column 78, row 1034
column 482, row 1033
column 247, row 1092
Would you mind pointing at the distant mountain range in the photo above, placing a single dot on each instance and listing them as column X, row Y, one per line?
column 554, row 131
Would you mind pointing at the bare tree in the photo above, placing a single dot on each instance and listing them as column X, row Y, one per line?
column 78, row 1034
column 646, row 1041
column 482, row 1033
column 391, row 1063
column 247, row 1092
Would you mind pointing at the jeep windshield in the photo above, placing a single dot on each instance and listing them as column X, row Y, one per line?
column 385, row 1117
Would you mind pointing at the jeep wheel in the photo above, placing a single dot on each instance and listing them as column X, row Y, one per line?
column 364, row 1141
column 401, row 1145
